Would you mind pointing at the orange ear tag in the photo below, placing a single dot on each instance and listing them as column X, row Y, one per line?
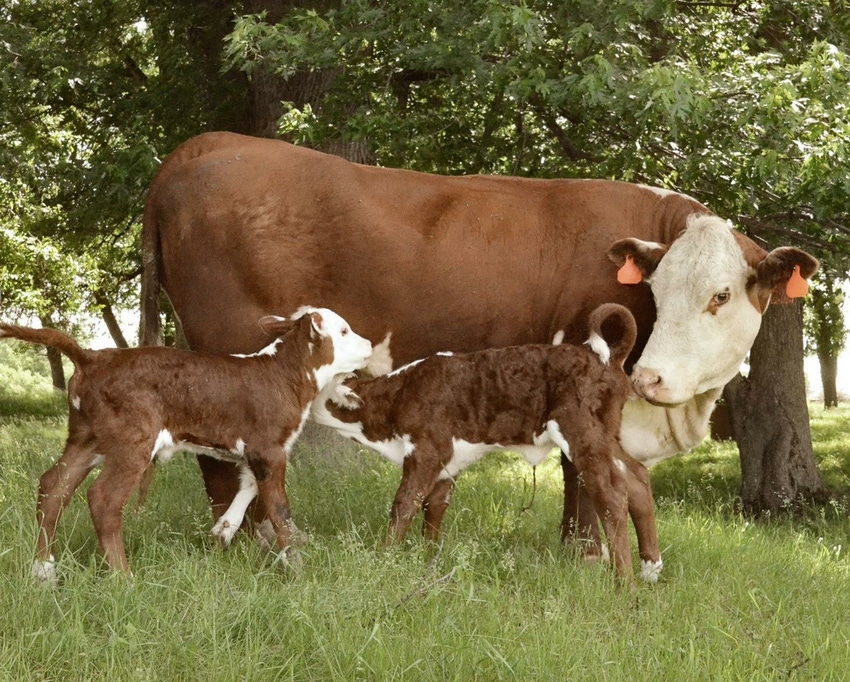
column 797, row 287
column 629, row 273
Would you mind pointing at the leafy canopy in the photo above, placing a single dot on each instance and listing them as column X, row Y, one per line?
column 744, row 105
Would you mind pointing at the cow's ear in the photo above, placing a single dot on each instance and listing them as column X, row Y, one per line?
column 777, row 268
column 645, row 255
column 277, row 326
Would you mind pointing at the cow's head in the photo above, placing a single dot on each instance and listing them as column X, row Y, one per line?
column 711, row 286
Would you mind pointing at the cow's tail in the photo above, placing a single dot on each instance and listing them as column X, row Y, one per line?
column 47, row 337
column 612, row 333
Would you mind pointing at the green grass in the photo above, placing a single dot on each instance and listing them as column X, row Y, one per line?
column 501, row 600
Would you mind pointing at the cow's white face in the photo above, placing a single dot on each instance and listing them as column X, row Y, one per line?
column 709, row 296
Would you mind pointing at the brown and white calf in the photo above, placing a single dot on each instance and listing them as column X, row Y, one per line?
column 436, row 416
column 129, row 408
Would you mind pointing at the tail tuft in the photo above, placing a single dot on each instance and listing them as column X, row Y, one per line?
column 612, row 333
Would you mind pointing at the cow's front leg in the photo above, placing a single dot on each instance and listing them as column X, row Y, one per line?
column 229, row 522
column 579, row 524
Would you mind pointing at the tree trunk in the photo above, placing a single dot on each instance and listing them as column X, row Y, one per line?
column 110, row 320
column 54, row 359
column 829, row 379
column 770, row 418
column 267, row 89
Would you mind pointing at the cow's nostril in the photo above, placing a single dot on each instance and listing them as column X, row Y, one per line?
column 646, row 382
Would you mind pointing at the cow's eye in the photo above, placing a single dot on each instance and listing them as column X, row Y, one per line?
column 721, row 297
column 344, row 332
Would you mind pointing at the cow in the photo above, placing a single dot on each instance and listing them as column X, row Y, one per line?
column 128, row 408
column 419, row 263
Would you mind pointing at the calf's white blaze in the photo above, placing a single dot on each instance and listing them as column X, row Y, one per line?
column 691, row 349
column 351, row 351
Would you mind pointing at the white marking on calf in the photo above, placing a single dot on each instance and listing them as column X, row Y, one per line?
column 557, row 438
column 287, row 446
column 558, row 339
column 597, row 345
column 163, row 447
column 76, row 402
column 239, row 448
column 620, row 464
column 404, row 368
column 271, row 349
column 229, row 522
column 445, row 353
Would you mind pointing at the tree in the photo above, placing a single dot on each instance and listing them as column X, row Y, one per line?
column 94, row 93
column 825, row 331
column 743, row 105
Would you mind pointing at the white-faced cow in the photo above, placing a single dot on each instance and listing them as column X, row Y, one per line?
column 236, row 227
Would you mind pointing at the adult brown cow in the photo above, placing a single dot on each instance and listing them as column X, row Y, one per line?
column 238, row 227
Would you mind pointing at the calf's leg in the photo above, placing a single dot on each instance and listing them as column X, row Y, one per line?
column 418, row 478
column 55, row 489
column 108, row 495
column 268, row 466
column 579, row 523
column 434, row 508
column 642, row 511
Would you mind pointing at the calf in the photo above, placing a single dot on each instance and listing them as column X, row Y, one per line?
column 128, row 408
column 436, row 416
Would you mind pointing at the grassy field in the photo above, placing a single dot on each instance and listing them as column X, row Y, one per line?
column 501, row 599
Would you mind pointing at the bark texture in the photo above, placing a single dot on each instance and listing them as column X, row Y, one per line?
column 770, row 419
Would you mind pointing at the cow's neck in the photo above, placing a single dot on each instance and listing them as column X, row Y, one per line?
column 651, row 434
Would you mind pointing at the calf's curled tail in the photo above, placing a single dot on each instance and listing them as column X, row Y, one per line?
column 612, row 329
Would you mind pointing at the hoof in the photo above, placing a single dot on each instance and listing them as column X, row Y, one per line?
column 44, row 572
column 650, row 570
column 224, row 531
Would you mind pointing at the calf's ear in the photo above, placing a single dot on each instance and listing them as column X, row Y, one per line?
column 318, row 323
column 276, row 326
column 777, row 268
column 644, row 256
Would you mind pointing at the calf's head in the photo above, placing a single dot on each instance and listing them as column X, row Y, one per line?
column 711, row 286
column 343, row 350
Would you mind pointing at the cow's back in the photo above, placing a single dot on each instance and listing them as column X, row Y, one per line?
column 249, row 226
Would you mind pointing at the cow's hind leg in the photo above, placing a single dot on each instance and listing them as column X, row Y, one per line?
column 434, row 508
column 579, row 523
column 55, row 489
